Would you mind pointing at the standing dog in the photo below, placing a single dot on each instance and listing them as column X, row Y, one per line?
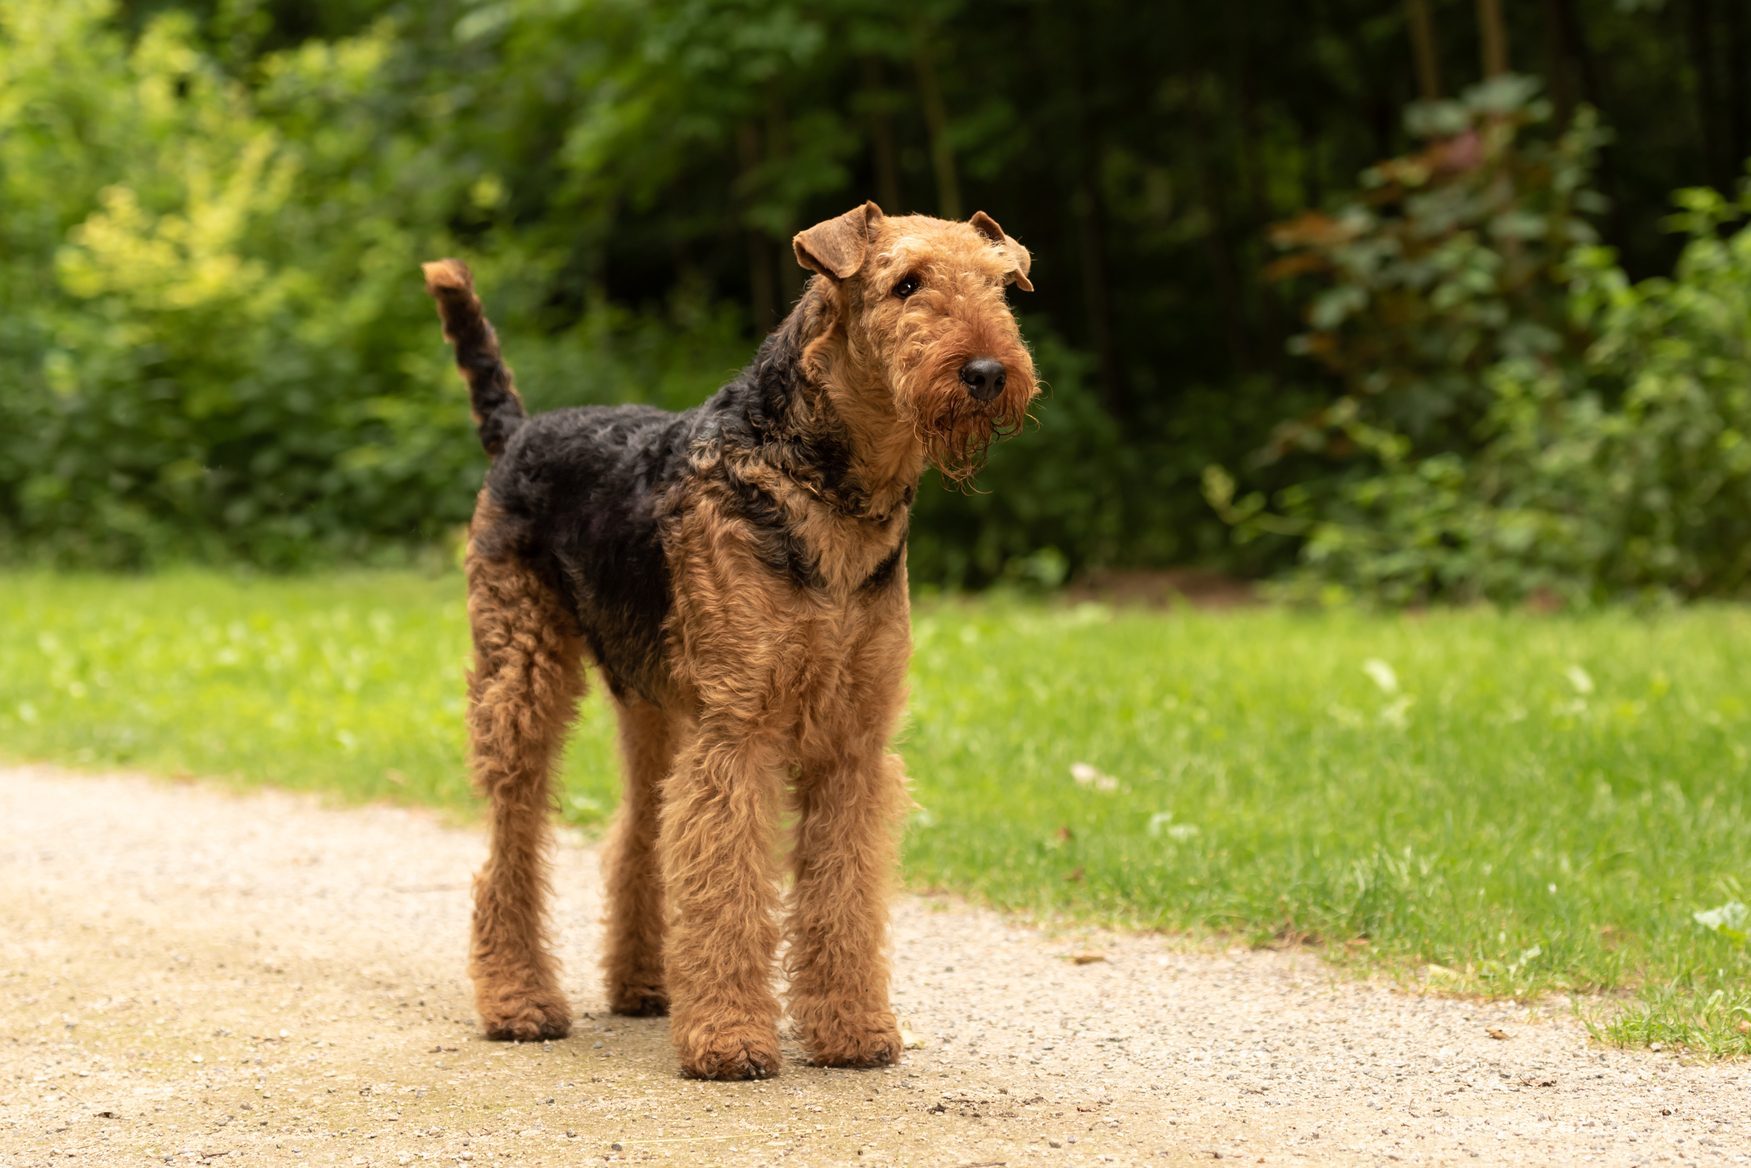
column 737, row 572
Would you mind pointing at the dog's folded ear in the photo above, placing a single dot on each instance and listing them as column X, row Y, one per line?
column 1017, row 255
column 837, row 247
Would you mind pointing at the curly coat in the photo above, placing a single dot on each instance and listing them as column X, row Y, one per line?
column 737, row 573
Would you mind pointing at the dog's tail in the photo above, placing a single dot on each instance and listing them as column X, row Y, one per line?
column 498, row 411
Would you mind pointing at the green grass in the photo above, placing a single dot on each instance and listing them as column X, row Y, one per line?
column 1500, row 804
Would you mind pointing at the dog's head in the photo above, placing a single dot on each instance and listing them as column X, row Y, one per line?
column 928, row 338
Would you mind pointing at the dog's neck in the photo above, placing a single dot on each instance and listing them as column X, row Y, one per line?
column 836, row 435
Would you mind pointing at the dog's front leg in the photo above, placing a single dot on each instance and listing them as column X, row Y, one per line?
column 848, row 815
column 719, row 824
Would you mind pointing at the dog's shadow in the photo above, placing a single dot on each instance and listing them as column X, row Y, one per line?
column 605, row 1048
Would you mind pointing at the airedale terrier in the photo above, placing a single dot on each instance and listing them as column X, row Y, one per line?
column 737, row 572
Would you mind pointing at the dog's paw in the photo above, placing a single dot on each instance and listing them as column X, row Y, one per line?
column 527, row 1017
column 640, row 1000
column 859, row 1040
column 738, row 1053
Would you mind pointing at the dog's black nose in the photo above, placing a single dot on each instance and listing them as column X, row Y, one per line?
column 983, row 378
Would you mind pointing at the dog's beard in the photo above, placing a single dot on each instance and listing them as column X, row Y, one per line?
column 954, row 429
column 957, row 432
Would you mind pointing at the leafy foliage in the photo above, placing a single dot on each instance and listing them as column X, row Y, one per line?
column 1625, row 473
column 1529, row 422
column 212, row 344
column 1445, row 261
column 199, row 379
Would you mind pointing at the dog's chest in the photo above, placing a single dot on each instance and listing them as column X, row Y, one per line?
column 850, row 556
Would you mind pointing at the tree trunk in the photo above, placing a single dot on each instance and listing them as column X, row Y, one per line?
column 1310, row 118
column 762, row 281
column 931, row 105
column 884, row 153
column 1226, row 276
column 1246, row 141
column 1708, row 98
column 1574, row 35
column 1312, row 154
column 1261, row 311
column 1493, row 37
column 1381, row 105
column 1091, row 243
column 790, row 273
column 1091, row 226
column 1738, row 98
column 1422, row 31
column 1593, row 86
column 1557, row 55
column 1214, row 189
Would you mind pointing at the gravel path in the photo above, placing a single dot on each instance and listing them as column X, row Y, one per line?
column 193, row 977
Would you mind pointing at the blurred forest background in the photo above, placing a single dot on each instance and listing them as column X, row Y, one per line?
column 1394, row 299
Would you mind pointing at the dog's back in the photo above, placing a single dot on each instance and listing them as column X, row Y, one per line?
column 578, row 491
column 574, row 493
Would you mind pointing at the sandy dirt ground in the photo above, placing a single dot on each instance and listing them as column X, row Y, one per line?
column 189, row 976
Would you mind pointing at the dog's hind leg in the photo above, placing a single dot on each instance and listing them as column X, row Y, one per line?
column 522, row 697
column 633, row 958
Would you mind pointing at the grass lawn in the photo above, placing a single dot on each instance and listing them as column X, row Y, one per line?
column 1504, row 804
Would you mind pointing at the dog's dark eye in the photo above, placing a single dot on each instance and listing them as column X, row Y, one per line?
column 906, row 287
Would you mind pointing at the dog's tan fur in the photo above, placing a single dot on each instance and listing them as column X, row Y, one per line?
column 774, row 697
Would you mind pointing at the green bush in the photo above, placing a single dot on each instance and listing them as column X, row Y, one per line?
column 1626, row 472
column 1512, row 416
column 1445, row 262
column 215, row 359
column 1649, row 455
